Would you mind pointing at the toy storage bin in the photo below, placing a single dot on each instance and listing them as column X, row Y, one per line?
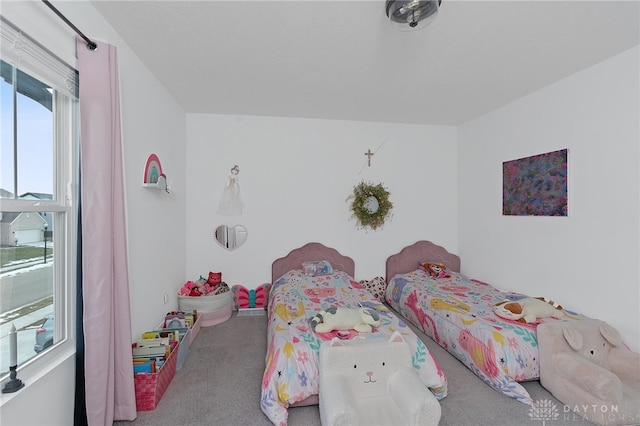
column 183, row 349
column 149, row 388
column 183, row 346
column 195, row 329
column 211, row 309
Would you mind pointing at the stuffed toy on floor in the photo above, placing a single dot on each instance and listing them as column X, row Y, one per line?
column 586, row 366
column 372, row 382
column 244, row 298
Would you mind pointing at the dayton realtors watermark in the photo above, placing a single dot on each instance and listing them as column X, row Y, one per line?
column 546, row 410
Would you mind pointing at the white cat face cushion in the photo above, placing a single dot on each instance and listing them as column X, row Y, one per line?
column 367, row 364
column 371, row 381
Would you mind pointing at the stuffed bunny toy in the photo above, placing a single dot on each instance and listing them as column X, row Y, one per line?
column 585, row 364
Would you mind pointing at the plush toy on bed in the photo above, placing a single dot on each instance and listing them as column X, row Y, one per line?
column 435, row 269
column 363, row 320
column 373, row 382
column 528, row 309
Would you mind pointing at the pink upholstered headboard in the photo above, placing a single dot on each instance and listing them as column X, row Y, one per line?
column 310, row 252
column 422, row 251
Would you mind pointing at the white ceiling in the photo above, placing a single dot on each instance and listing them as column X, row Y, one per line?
column 342, row 60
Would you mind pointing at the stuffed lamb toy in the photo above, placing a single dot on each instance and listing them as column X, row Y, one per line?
column 372, row 382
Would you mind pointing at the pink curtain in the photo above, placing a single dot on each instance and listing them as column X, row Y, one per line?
column 110, row 393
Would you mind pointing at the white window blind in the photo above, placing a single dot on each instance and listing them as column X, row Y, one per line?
column 21, row 51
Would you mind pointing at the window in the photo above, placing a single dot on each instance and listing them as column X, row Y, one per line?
column 38, row 186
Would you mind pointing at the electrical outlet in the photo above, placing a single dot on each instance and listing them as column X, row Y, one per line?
column 166, row 297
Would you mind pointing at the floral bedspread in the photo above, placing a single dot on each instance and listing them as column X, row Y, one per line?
column 292, row 360
column 457, row 312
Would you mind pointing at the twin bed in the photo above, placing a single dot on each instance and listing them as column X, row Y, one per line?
column 458, row 314
column 453, row 310
column 291, row 374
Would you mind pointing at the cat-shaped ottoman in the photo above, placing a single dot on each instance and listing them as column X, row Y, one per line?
column 372, row 382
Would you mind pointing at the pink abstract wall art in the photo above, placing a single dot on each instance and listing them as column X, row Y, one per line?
column 536, row 185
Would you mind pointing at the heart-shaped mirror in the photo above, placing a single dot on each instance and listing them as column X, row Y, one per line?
column 230, row 237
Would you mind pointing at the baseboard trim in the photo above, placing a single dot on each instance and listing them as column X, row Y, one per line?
column 252, row 312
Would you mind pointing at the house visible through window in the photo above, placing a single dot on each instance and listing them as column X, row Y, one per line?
column 38, row 218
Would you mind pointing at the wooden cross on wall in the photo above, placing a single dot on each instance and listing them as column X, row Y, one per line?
column 369, row 154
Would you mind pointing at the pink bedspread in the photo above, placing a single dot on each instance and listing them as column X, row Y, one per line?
column 457, row 313
column 291, row 372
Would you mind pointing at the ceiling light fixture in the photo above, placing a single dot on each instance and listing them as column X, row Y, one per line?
column 411, row 15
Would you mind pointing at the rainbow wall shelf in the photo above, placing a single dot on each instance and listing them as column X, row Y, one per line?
column 153, row 176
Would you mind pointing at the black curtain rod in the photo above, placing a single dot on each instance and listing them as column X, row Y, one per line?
column 90, row 44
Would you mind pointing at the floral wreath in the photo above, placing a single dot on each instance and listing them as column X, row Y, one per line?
column 370, row 205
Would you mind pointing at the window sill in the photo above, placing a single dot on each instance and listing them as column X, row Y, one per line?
column 39, row 367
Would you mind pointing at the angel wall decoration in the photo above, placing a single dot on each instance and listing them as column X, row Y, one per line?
column 231, row 203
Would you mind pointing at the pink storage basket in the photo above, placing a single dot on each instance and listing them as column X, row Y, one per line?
column 150, row 387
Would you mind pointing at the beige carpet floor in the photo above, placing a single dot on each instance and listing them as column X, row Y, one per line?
column 220, row 382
